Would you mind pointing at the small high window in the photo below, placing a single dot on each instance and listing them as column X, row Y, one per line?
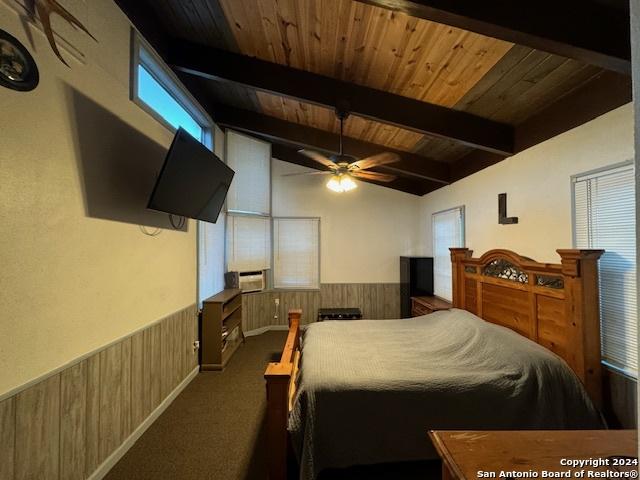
column 157, row 90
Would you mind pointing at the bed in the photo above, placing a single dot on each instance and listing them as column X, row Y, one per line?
column 520, row 350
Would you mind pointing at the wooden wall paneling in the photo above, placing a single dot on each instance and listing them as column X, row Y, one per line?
column 37, row 450
column 73, row 421
column 179, row 351
column 341, row 295
column 65, row 426
column 156, row 365
column 376, row 300
column 370, row 296
column 147, row 371
column 165, row 359
column 258, row 310
column 138, row 392
column 313, row 304
column 392, row 300
column 7, row 437
column 194, row 336
column 175, row 341
column 620, row 400
column 127, row 426
column 110, row 400
column 288, row 300
column 92, row 412
column 187, row 349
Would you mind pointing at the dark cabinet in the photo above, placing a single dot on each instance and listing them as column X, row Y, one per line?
column 416, row 280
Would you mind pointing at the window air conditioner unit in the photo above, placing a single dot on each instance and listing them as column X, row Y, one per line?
column 252, row 281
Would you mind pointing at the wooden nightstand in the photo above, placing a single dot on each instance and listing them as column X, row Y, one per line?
column 464, row 454
column 426, row 305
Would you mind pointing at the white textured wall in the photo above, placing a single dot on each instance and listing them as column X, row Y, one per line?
column 537, row 183
column 72, row 281
column 362, row 233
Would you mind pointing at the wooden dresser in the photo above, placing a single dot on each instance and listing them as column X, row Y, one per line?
column 426, row 305
column 465, row 454
column 221, row 328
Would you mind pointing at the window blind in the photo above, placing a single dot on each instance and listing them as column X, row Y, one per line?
column 604, row 217
column 448, row 231
column 250, row 190
column 210, row 258
column 248, row 243
column 296, row 252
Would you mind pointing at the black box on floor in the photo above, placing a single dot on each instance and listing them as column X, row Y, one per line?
column 339, row 314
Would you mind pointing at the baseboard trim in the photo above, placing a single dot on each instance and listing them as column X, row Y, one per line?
column 119, row 452
column 261, row 330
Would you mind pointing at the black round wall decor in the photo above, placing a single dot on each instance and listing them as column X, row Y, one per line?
column 18, row 69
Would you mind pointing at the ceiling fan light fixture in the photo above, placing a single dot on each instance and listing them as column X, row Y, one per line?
column 347, row 183
column 341, row 183
column 335, row 184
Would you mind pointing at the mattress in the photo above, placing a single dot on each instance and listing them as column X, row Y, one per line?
column 370, row 390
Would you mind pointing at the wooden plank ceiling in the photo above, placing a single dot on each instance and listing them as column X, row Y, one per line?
column 378, row 48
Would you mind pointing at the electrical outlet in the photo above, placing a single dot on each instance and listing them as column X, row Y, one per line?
column 277, row 302
column 196, row 345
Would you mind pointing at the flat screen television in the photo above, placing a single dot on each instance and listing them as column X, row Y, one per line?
column 193, row 181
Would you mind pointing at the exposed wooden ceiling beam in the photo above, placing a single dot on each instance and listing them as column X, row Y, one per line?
column 407, row 185
column 291, row 133
column 584, row 30
column 380, row 106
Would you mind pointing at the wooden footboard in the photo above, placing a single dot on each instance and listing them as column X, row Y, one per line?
column 281, row 389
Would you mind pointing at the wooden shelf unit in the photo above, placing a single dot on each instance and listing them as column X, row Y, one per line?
column 223, row 309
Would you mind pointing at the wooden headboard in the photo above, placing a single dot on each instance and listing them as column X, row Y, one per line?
column 555, row 305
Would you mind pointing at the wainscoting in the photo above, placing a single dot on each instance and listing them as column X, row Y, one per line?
column 376, row 300
column 620, row 400
column 67, row 425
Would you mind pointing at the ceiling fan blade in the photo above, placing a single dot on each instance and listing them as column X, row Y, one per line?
column 318, row 157
column 306, row 173
column 379, row 177
column 375, row 160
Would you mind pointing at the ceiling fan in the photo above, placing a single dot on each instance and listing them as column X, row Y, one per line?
column 343, row 167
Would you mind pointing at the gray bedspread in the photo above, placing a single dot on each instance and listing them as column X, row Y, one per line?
column 370, row 390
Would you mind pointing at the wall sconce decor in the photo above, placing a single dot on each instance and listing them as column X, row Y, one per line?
column 18, row 69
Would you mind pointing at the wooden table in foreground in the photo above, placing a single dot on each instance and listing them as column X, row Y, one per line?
column 467, row 453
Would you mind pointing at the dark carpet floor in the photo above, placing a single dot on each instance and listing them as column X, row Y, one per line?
column 215, row 429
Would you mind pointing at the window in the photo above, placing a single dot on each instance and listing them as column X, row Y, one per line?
column 296, row 252
column 159, row 92
column 250, row 191
column 448, row 231
column 604, row 217
column 248, row 243
column 248, row 204
column 156, row 89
